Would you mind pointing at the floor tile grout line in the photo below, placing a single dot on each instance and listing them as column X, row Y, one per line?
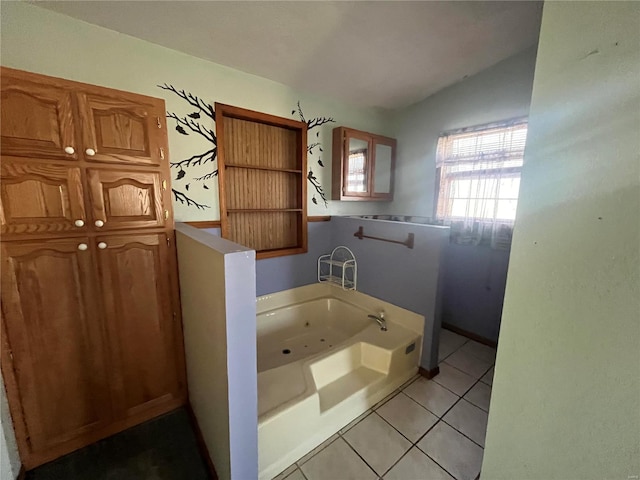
column 356, row 452
column 419, row 404
column 436, row 462
column 466, row 391
column 476, row 356
column 368, row 412
column 398, row 461
column 455, row 403
column 387, row 399
column 491, row 365
column 323, row 448
column 449, row 409
column 301, row 472
column 391, row 425
column 464, row 434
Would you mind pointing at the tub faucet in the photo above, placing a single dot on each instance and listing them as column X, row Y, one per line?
column 380, row 321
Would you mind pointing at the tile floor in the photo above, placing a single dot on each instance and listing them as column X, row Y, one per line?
column 427, row 429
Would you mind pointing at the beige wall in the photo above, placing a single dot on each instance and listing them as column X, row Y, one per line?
column 42, row 41
column 217, row 291
column 566, row 393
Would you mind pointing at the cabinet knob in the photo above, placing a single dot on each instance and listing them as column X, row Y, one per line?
column 90, row 151
column 102, row 245
column 83, row 246
column 69, row 150
column 79, row 223
column 98, row 223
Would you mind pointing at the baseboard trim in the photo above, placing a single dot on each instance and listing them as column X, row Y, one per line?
column 471, row 335
column 429, row 374
column 202, row 446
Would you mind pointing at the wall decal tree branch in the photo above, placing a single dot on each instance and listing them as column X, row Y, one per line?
column 198, row 159
column 190, row 124
column 192, row 100
column 316, row 184
column 311, row 124
column 182, row 198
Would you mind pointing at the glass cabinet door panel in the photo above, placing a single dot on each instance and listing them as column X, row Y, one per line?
column 357, row 166
column 383, row 166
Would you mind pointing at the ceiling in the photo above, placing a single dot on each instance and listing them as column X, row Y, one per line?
column 386, row 54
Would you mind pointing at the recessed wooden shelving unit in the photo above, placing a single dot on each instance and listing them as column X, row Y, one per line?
column 262, row 165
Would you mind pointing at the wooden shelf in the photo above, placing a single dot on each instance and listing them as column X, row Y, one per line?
column 271, row 169
column 264, row 176
column 259, row 210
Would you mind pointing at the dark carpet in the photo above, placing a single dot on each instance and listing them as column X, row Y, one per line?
column 164, row 448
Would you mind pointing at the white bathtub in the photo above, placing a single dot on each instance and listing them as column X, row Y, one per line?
column 322, row 362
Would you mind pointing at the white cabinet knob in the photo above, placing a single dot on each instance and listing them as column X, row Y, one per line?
column 102, row 245
column 79, row 223
column 69, row 150
column 90, row 151
column 98, row 223
column 83, row 246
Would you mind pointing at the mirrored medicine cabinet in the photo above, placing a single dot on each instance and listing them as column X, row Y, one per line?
column 363, row 166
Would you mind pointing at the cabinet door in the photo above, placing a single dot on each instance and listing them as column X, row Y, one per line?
column 357, row 166
column 145, row 334
column 118, row 130
column 55, row 333
column 40, row 198
column 36, row 120
column 126, row 199
column 383, row 167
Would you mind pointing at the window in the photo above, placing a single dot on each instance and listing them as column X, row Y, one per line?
column 356, row 177
column 479, row 172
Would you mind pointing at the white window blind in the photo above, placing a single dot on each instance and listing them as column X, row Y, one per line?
column 480, row 172
column 356, row 178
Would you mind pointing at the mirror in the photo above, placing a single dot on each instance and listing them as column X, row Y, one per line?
column 363, row 166
column 357, row 168
column 382, row 177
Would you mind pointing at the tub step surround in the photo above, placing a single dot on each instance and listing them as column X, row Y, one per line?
column 322, row 363
column 420, row 430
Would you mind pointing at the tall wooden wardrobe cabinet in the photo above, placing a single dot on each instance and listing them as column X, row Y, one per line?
column 91, row 329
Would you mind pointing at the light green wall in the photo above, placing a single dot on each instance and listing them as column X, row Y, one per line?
column 38, row 40
column 566, row 393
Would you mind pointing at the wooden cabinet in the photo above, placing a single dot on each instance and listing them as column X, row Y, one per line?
column 363, row 165
column 117, row 129
column 143, row 326
column 127, row 199
column 91, row 329
column 55, row 333
column 41, row 198
column 37, row 118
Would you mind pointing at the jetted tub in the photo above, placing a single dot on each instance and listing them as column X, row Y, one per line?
column 322, row 362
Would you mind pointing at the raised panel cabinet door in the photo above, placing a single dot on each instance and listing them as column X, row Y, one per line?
column 37, row 119
column 127, row 199
column 40, row 198
column 118, row 130
column 54, row 329
column 144, row 331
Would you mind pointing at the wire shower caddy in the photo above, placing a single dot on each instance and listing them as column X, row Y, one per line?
column 339, row 268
